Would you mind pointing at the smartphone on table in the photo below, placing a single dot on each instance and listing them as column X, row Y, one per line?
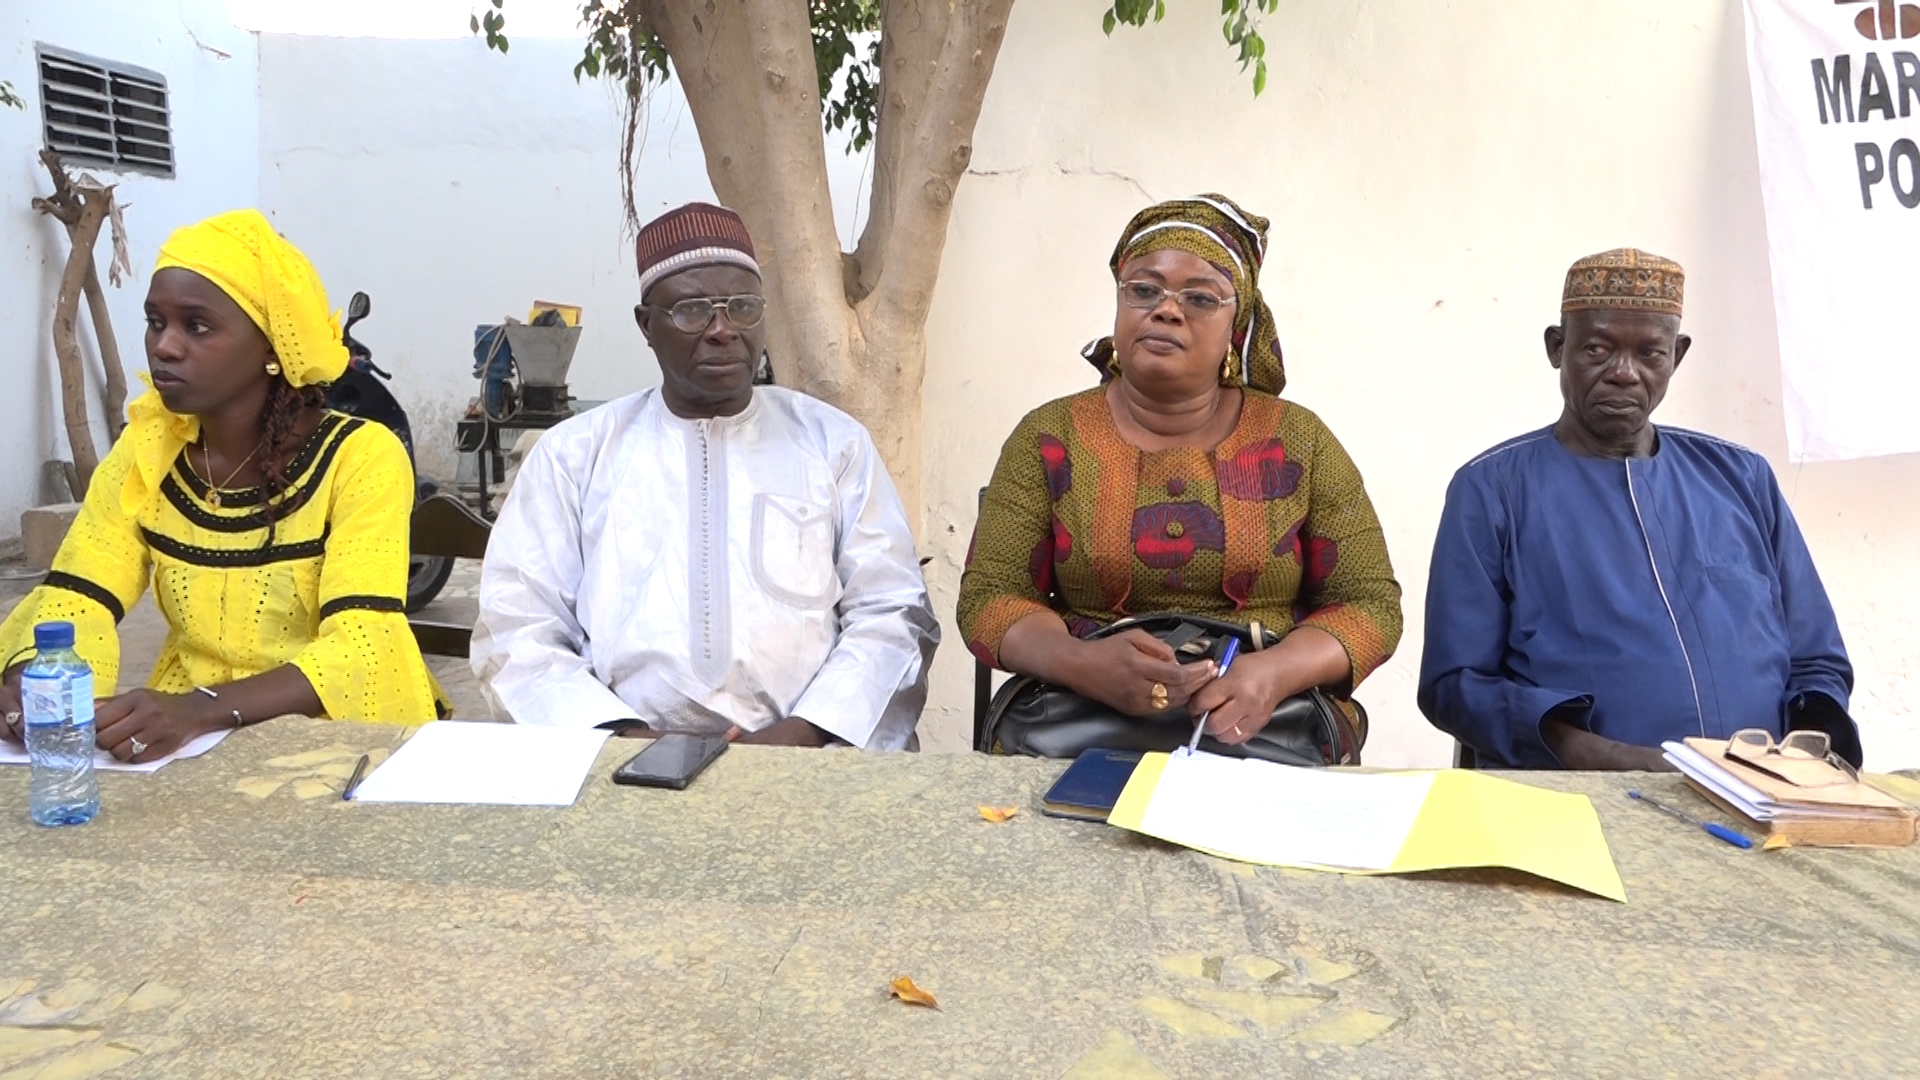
column 672, row 761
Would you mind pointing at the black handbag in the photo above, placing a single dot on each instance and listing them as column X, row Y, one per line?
column 1038, row 719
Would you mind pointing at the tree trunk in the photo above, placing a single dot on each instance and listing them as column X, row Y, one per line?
column 849, row 329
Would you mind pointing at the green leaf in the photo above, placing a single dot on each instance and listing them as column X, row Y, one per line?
column 473, row 23
column 1107, row 23
column 1259, row 77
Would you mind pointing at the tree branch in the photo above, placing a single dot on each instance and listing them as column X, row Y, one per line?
column 937, row 59
column 908, row 56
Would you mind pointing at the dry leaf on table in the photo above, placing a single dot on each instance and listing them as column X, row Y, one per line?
column 904, row 989
column 998, row 814
column 1775, row 843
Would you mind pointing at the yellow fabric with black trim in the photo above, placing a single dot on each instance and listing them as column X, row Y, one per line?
column 278, row 288
column 328, row 595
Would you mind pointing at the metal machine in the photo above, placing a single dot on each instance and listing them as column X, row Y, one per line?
column 522, row 370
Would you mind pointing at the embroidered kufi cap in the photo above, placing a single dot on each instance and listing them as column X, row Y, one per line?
column 1625, row 279
column 697, row 234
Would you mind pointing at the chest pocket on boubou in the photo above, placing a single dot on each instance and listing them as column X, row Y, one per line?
column 793, row 556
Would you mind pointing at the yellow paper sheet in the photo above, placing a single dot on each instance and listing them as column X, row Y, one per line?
column 1468, row 819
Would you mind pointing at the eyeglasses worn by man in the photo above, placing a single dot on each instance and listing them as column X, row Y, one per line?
column 709, row 556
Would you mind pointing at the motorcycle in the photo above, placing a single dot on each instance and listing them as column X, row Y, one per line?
column 361, row 391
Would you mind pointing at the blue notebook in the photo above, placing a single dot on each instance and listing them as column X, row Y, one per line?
column 1091, row 785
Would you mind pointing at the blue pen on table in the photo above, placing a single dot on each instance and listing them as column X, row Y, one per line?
column 1226, row 661
column 1719, row 831
column 353, row 782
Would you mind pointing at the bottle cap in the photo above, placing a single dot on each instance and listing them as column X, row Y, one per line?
column 53, row 635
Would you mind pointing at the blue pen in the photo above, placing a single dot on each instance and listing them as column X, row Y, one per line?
column 1226, row 661
column 1719, row 831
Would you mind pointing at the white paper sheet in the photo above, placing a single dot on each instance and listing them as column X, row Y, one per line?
column 105, row 762
column 502, row 764
column 1280, row 814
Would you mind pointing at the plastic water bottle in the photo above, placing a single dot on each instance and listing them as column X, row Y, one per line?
column 56, row 696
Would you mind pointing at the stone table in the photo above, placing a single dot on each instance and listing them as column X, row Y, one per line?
column 231, row 917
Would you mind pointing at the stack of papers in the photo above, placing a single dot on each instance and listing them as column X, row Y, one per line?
column 1850, row 814
column 1348, row 822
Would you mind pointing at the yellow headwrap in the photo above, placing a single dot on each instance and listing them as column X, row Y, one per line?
column 279, row 290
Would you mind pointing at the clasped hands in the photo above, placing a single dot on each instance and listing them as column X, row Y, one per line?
column 1127, row 670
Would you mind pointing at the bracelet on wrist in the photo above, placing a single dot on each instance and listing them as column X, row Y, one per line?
column 238, row 720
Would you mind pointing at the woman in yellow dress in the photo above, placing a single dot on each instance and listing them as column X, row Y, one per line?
column 273, row 530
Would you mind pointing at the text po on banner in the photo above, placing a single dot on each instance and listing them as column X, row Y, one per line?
column 1836, row 101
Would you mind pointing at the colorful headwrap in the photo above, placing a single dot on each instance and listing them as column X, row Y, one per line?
column 1235, row 242
column 1625, row 279
column 280, row 291
column 697, row 234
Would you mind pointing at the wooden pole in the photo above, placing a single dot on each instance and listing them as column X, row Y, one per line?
column 66, row 343
column 115, row 389
column 83, row 208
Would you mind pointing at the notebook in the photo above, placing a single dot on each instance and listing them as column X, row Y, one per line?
column 1091, row 785
column 1838, row 814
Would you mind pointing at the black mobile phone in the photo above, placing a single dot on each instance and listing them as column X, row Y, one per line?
column 672, row 761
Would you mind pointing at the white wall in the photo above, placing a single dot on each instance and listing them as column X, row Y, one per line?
column 1430, row 171
column 455, row 186
column 210, row 69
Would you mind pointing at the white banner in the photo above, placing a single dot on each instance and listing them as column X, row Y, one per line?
column 1836, row 105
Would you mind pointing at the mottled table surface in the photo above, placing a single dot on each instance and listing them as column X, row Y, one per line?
column 230, row 916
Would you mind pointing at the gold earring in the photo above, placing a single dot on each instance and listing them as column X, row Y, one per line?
column 1226, row 368
column 273, row 368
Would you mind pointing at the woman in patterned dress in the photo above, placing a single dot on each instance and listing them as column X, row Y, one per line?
column 1182, row 483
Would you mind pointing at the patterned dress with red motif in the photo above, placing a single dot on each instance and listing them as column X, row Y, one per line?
column 1272, row 526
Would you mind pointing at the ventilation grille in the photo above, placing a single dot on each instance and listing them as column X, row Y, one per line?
column 107, row 113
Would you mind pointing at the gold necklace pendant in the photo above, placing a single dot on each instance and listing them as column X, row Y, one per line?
column 213, row 489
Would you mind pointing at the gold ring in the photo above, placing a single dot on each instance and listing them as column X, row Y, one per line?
column 1159, row 696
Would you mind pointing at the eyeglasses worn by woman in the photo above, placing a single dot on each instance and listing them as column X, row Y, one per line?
column 1183, row 483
